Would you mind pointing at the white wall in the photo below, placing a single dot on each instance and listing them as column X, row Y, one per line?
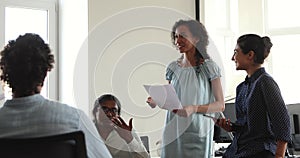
column 130, row 45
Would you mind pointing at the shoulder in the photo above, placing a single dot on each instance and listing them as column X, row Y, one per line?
column 212, row 69
column 266, row 79
column 171, row 69
column 267, row 84
column 240, row 85
column 59, row 105
column 60, row 109
column 172, row 65
column 211, row 64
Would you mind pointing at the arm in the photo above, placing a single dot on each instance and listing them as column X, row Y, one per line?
column 281, row 148
column 219, row 104
column 216, row 106
column 134, row 142
column 123, row 129
column 94, row 144
column 137, row 148
column 278, row 115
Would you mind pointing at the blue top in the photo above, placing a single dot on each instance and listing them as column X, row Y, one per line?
column 192, row 136
column 261, row 111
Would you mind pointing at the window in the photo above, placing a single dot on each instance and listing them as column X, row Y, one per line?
column 284, row 29
column 271, row 19
column 222, row 27
column 34, row 16
column 279, row 17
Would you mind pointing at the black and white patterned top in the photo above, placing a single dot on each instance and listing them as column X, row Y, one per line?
column 261, row 111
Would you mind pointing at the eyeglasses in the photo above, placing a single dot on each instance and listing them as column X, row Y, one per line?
column 107, row 110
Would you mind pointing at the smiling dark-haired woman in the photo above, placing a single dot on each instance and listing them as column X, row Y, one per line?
column 262, row 117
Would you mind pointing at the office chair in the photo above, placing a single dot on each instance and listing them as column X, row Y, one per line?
column 145, row 141
column 68, row 145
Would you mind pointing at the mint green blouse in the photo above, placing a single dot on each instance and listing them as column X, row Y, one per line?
column 192, row 136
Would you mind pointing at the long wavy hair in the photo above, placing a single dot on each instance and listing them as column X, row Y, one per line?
column 198, row 30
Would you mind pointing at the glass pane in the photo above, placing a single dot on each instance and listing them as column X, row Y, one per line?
column 282, row 17
column 216, row 15
column 19, row 21
column 285, row 65
column 220, row 15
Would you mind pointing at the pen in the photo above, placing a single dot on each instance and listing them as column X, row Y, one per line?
column 215, row 119
column 209, row 116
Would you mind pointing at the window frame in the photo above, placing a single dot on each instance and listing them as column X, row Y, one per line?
column 51, row 7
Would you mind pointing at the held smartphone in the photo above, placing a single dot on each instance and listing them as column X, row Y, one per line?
column 233, row 126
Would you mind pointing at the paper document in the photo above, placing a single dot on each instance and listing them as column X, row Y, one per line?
column 164, row 96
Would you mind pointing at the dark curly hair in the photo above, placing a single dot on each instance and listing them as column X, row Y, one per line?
column 25, row 63
column 198, row 30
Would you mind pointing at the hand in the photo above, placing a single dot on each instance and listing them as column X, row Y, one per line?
column 186, row 111
column 151, row 102
column 225, row 124
column 122, row 128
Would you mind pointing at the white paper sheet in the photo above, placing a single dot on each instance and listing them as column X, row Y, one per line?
column 164, row 96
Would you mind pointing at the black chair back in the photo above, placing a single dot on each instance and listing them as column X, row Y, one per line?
column 68, row 145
